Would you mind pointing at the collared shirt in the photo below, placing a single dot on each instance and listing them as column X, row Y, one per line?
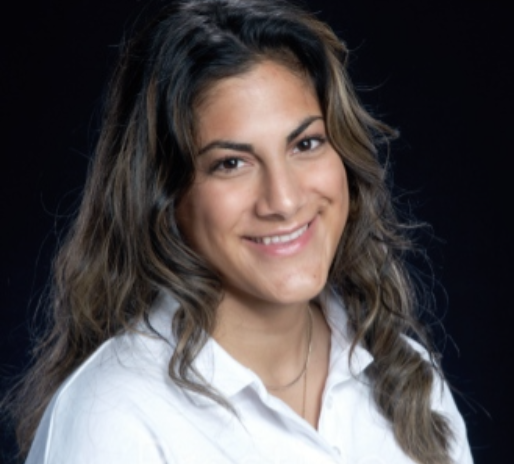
column 120, row 406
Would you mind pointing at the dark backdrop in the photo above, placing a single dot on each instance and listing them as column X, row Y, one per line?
column 440, row 71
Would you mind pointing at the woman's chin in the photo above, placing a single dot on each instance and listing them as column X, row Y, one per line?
column 290, row 293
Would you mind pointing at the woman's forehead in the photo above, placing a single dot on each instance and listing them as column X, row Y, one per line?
column 268, row 69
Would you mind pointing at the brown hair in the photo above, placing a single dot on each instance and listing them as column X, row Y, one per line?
column 124, row 246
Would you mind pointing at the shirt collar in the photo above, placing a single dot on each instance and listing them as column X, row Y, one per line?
column 218, row 369
column 228, row 377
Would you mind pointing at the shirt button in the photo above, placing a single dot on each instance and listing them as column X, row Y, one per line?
column 337, row 450
column 329, row 402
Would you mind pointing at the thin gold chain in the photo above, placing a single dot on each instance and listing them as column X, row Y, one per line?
column 304, row 393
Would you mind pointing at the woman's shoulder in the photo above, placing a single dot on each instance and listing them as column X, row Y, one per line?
column 443, row 402
column 121, row 370
column 111, row 403
column 125, row 367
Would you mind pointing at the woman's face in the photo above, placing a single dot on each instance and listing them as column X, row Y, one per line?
column 270, row 198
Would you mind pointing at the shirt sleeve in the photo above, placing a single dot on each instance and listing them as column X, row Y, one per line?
column 444, row 403
column 102, row 435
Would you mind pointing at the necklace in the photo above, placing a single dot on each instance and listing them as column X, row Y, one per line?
column 303, row 372
column 304, row 393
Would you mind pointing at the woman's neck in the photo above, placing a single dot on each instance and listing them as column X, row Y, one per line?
column 271, row 339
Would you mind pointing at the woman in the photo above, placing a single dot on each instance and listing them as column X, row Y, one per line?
column 233, row 289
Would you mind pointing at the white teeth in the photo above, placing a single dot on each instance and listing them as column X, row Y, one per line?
column 282, row 238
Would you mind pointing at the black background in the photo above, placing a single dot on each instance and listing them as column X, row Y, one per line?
column 440, row 71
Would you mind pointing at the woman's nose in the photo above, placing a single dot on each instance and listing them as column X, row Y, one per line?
column 281, row 193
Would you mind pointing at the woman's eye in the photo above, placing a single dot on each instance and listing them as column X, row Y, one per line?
column 308, row 144
column 227, row 164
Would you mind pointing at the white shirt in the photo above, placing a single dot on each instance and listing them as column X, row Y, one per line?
column 121, row 407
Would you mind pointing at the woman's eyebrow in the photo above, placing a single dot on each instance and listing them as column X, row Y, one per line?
column 248, row 148
column 303, row 125
column 228, row 145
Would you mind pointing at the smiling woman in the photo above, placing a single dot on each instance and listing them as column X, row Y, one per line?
column 270, row 198
column 233, row 289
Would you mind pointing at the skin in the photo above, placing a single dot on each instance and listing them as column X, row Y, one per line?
column 265, row 169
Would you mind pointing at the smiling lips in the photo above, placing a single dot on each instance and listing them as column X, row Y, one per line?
column 279, row 239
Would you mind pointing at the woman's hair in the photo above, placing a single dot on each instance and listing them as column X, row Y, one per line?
column 125, row 246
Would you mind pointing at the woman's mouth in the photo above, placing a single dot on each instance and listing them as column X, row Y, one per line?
column 279, row 239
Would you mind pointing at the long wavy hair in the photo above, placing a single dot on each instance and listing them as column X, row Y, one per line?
column 125, row 247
